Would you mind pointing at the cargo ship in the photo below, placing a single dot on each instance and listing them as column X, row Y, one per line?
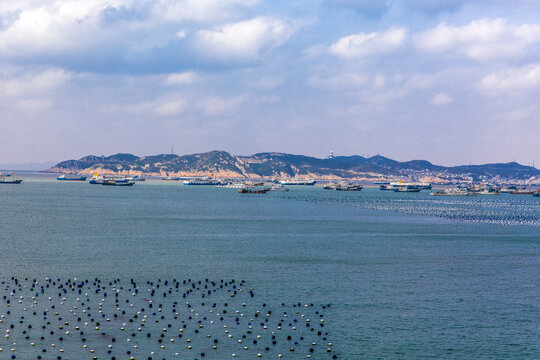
column 71, row 177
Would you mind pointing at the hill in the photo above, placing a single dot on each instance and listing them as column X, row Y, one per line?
column 272, row 164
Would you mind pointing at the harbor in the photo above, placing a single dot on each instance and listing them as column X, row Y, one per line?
column 283, row 245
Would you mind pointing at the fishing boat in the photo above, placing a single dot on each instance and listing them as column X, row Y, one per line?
column 9, row 178
column 136, row 178
column 279, row 187
column 452, row 192
column 254, row 191
column 100, row 179
column 488, row 191
column 295, row 181
column 113, row 182
column 232, row 185
column 411, row 185
column 408, row 188
column 71, row 177
column 203, row 182
column 522, row 191
column 343, row 186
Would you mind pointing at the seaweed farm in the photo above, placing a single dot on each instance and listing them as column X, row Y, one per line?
column 498, row 210
column 159, row 319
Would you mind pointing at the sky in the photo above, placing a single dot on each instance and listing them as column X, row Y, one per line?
column 449, row 81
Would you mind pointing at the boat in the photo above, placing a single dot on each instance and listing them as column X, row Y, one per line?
column 279, row 187
column 136, row 178
column 9, row 178
column 419, row 185
column 71, row 177
column 343, row 186
column 254, row 191
column 536, row 193
column 522, row 191
column 488, row 191
column 295, row 181
column 203, row 182
column 100, row 179
column 408, row 188
column 452, row 192
column 112, row 182
column 509, row 189
column 232, row 185
column 393, row 186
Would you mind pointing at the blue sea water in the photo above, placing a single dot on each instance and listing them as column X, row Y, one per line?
column 408, row 276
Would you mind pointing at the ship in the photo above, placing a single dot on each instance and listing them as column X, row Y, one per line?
column 101, row 179
column 279, row 187
column 113, row 182
column 9, row 178
column 136, row 178
column 254, row 191
column 488, row 191
column 452, row 192
column 522, row 191
column 343, row 186
column 203, row 182
column 411, row 186
column 295, row 181
column 407, row 188
column 71, row 177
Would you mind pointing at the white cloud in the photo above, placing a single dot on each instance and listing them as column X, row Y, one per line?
column 340, row 81
column 216, row 105
column 270, row 82
column 247, row 39
column 521, row 78
column 441, row 99
column 173, row 107
column 199, row 10
column 187, row 77
column 481, row 40
column 32, row 105
column 181, row 34
column 365, row 44
column 22, row 84
column 53, row 27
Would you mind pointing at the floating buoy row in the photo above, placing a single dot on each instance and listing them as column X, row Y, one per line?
column 508, row 211
column 154, row 319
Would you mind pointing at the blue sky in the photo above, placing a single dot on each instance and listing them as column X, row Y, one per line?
column 449, row 81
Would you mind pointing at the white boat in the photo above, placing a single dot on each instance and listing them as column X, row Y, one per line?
column 343, row 186
column 232, row 185
column 452, row 192
column 296, row 181
column 279, row 187
column 410, row 185
column 203, row 182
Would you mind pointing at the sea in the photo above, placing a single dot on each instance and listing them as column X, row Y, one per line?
column 308, row 273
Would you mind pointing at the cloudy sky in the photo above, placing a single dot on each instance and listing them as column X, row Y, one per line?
column 450, row 81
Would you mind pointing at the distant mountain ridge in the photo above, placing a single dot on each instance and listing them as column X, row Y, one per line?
column 273, row 164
